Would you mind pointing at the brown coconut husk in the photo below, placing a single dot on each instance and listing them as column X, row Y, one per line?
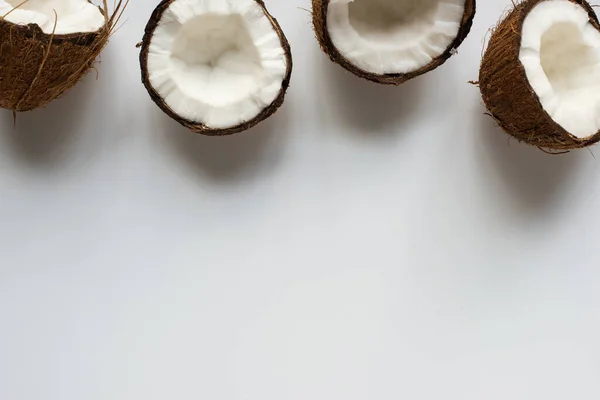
column 36, row 68
column 199, row 127
column 319, row 13
column 506, row 91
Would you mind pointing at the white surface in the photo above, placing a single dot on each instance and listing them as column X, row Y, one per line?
column 69, row 16
column 216, row 62
column 393, row 36
column 560, row 50
column 365, row 243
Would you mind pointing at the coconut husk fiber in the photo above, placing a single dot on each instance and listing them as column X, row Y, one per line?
column 319, row 13
column 36, row 67
column 194, row 126
column 506, row 91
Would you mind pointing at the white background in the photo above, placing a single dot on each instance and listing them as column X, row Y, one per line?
column 366, row 242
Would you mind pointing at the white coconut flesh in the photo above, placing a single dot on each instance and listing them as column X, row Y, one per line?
column 393, row 36
column 560, row 50
column 218, row 63
column 70, row 16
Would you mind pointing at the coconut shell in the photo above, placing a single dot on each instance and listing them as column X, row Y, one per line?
column 36, row 68
column 321, row 30
column 507, row 93
column 194, row 126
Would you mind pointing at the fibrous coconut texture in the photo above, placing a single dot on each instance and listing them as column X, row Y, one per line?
column 391, row 41
column 47, row 46
column 540, row 75
column 218, row 67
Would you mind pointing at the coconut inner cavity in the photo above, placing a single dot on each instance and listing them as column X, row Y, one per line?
column 216, row 62
column 69, row 16
column 393, row 36
column 560, row 51
column 214, row 59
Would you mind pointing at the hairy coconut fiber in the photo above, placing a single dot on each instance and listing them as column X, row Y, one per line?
column 195, row 126
column 36, row 68
column 506, row 91
column 319, row 13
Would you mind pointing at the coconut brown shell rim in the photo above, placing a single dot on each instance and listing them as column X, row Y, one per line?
column 320, row 22
column 34, row 30
column 528, row 5
column 193, row 125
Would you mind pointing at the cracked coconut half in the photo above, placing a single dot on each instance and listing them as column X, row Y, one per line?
column 218, row 67
column 540, row 76
column 47, row 46
column 391, row 41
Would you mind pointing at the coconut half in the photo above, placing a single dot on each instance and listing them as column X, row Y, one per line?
column 47, row 46
column 218, row 67
column 391, row 41
column 540, row 75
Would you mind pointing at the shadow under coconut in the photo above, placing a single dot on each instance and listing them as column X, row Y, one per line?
column 227, row 159
column 533, row 178
column 366, row 108
column 47, row 136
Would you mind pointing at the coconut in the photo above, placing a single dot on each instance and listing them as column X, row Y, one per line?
column 540, row 74
column 47, row 46
column 391, row 41
column 218, row 67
